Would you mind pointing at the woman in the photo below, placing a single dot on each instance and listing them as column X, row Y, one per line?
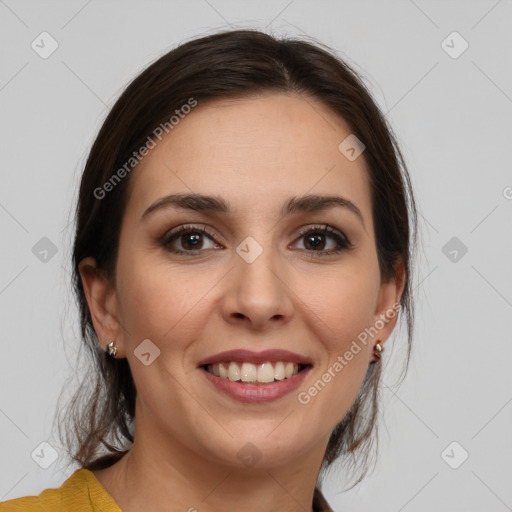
column 244, row 238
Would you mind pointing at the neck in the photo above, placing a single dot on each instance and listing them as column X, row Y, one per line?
column 149, row 477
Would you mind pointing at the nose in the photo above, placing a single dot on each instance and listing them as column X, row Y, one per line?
column 257, row 293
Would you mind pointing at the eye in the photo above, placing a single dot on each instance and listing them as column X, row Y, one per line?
column 315, row 240
column 190, row 238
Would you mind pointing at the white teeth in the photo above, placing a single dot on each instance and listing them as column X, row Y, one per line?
column 266, row 372
column 223, row 373
column 279, row 371
column 247, row 372
column 233, row 371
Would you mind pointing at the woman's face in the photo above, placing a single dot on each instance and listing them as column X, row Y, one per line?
column 256, row 281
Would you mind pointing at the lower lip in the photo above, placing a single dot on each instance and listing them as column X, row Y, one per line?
column 253, row 393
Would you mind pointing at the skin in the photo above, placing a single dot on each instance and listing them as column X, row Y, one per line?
column 256, row 153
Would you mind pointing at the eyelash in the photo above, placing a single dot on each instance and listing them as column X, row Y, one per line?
column 342, row 241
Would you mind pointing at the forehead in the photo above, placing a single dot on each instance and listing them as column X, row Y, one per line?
column 255, row 152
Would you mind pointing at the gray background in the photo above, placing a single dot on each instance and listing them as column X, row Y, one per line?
column 452, row 117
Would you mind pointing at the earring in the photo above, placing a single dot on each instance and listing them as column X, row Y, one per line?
column 377, row 351
column 111, row 349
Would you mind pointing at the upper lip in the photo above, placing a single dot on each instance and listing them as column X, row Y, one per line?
column 248, row 356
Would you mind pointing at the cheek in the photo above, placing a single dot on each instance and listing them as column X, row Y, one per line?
column 159, row 301
column 339, row 311
column 146, row 308
column 341, row 305
column 338, row 316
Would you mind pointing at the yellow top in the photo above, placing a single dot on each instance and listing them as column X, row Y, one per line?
column 82, row 492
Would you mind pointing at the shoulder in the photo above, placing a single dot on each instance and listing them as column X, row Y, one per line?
column 48, row 500
column 26, row 504
column 81, row 492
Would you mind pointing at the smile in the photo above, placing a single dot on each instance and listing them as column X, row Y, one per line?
column 252, row 377
column 248, row 372
column 255, row 391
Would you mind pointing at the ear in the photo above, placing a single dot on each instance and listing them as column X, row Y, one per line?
column 101, row 298
column 386, row 311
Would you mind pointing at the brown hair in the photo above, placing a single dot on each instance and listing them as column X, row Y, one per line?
column 234, row 63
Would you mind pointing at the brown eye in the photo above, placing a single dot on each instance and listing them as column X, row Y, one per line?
column 188, row 239
column 321, row 240
column 315, row 240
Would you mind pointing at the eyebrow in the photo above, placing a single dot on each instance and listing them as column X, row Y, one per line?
column 216, row 204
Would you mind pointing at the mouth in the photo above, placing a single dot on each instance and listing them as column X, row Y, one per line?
column 255, row 367
column 246, row 372
column 256, row 376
